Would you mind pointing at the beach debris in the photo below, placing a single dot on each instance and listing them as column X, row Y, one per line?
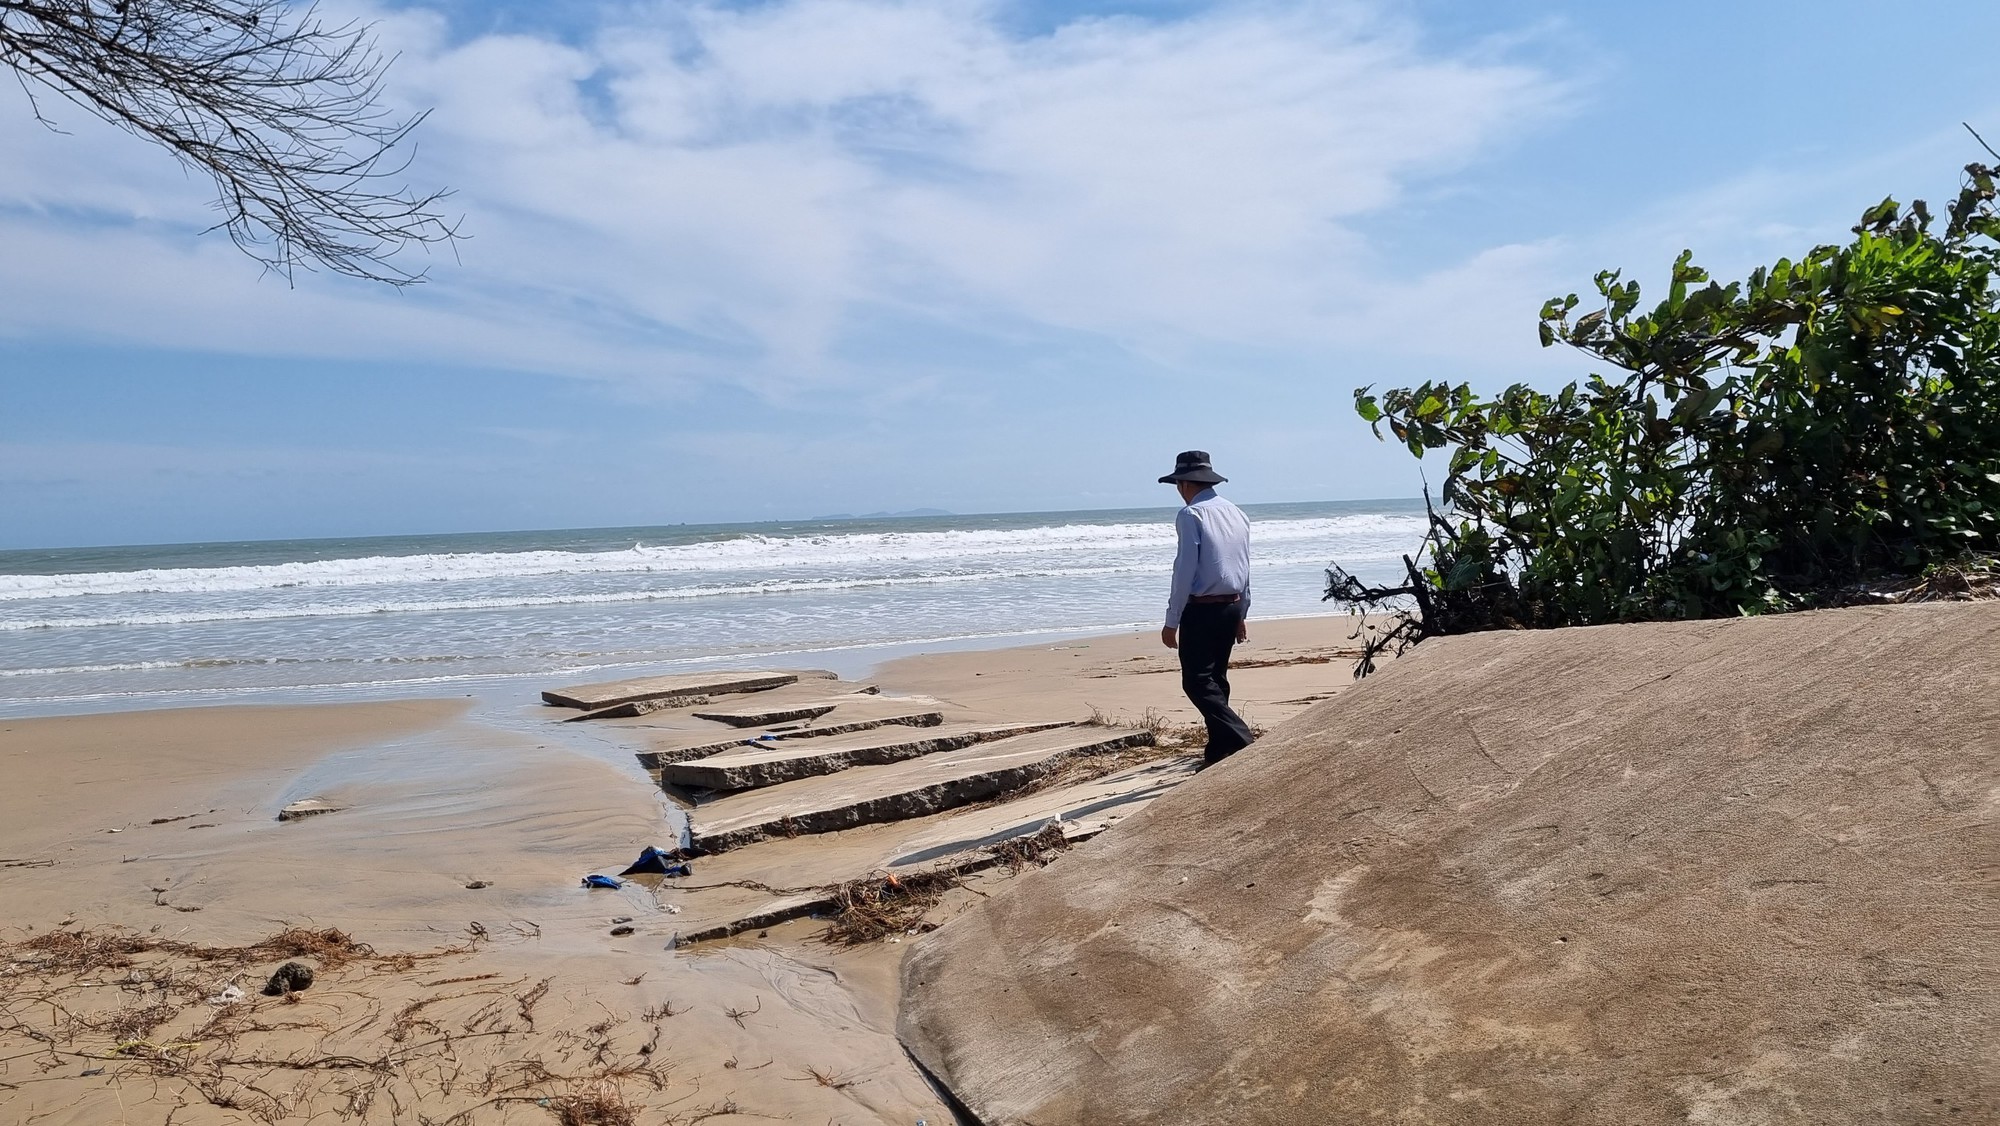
column 620, row 932
column 872, row 909
column 672, row 908
column 227, row 995
column 133, row 992
column 292, row 977
column 308, row 807
column 478, row 885
column 596, row 881
column 657, row 861
column 621, row 919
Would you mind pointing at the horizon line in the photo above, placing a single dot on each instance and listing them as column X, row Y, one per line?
column 940, row 515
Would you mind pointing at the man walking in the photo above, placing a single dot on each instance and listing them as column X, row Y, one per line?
column 1210, row 599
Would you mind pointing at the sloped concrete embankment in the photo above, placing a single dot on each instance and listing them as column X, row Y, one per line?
column 1732, row 872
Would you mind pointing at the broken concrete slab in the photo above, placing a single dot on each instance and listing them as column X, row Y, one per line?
column 769, row 762
column 870, row 713
column 590, row 697
column 766, row 716
column 632, row 709
column 830, row 858
column 659, row 757
column 769, row 912
column 962, row 842
column 810, row 709
column 1084, row 809
column 857, row 717
column 866, row 795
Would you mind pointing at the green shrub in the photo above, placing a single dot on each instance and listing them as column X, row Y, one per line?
column 1772, row 444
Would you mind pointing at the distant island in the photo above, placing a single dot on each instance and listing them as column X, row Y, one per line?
column 887, row 515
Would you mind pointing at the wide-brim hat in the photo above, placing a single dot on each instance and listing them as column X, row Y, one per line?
column 1192, row 466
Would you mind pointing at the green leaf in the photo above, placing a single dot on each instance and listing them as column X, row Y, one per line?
column 1881, row 214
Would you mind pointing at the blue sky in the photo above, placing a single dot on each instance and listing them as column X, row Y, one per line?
column 749, row 261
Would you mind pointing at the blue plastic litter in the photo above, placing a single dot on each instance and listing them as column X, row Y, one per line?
column 596, row 881
column 654, row 860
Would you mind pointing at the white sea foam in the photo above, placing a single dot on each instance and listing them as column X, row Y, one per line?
column 200, row 663
column 72, row 670
column 749, row 553
column 303, row 630
column 365, row 608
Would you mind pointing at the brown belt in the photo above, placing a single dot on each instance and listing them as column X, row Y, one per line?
column 1215, row 599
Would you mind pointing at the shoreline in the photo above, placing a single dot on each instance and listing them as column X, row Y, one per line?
column 852, row 661
column 160, row 824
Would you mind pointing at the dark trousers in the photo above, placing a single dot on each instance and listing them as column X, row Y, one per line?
column 1207, row 634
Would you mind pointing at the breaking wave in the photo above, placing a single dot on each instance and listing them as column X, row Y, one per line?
column 367, row 608
column 738, row 554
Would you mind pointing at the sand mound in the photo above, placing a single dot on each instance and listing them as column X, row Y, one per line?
column 1725, row 872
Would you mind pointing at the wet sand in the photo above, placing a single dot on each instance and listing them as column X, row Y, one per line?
column 162, row 826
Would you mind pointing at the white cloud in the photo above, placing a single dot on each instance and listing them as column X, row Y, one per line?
column 735, row 194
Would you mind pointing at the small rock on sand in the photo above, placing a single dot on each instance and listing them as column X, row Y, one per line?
column 291, row 977
column 307, row 808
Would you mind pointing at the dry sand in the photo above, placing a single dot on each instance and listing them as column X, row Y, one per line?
column 1286, row 665
column 432, row 805
column 137, row 850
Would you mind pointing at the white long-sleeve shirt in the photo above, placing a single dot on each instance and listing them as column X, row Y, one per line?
column 1214, row 553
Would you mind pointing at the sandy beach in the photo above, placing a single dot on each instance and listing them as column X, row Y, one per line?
column 471, row 978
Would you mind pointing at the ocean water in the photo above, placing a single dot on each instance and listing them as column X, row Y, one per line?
column 91, row 628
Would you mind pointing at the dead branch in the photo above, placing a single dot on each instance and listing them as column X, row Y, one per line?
column 284, row 113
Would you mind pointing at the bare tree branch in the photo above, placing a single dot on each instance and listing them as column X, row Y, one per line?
column 1980, row 139
column 283, row 112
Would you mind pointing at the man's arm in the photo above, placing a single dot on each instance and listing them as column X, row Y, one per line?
column 1187, row 527
column 1243, row 620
